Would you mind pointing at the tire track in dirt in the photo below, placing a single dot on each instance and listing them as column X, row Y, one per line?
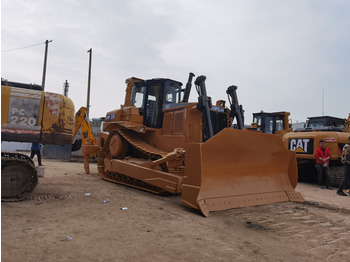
column 49, row 196
column 321, row 230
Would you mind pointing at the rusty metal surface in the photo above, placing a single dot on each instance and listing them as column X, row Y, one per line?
column 16, row 135
column 56, row 138
column 36, row 116
column 236, row 169
column 58, row 120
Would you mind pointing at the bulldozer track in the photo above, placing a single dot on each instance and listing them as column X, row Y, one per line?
column 327, row 207
column 133, row 139
column 132, row 182
column 17, row 159
column 146, row 149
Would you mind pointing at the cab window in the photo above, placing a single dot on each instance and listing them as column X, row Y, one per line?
column 257, row 120
column 137, row 96
column 172, row 93
column 279, row 123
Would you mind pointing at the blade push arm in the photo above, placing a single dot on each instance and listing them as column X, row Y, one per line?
column 204, row 104
column 188, row 88
column 236, row 109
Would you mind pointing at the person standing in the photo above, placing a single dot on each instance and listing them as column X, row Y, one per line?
column 346, row 161
column 35, row 150
column 322, row 155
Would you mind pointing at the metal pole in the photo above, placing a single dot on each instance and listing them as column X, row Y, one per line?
column 323, row 102
column 65, row 89
column 89, row 81
column 45, row 60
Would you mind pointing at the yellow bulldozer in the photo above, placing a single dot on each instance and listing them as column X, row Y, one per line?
column 159, row 142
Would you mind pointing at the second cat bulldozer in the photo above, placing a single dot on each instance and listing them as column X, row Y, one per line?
column 160, row 142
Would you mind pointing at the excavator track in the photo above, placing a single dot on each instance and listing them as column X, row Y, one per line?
column 143, row 147
column 18, row 176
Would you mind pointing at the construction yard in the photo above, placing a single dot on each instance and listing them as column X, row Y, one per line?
column 175, row 131
column 72, row 216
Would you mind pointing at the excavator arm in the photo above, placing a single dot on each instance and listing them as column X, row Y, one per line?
column 82, row 123
column 88, row 140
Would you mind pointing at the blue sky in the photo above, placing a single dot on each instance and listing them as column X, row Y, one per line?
column 280, row 54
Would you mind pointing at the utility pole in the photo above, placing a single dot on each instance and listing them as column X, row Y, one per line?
column 45, row 60
column 89, row 81
column 65, row 89
column 323, row 102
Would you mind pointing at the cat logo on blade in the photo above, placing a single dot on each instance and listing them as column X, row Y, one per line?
column 301, row 145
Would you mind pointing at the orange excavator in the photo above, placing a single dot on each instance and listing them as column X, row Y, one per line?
column 159, row 142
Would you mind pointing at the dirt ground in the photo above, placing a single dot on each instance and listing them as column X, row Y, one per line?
column 60, row 223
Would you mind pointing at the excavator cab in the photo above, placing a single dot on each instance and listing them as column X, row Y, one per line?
column 324, row 123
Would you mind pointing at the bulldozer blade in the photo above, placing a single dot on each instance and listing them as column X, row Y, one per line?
column 239, row 168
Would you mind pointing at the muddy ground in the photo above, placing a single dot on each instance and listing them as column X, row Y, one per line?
column 60, row 223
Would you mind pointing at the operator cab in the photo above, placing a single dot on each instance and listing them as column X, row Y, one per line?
column 151, row 96
column 324, row 123
column 5, row 82
column 269, row 123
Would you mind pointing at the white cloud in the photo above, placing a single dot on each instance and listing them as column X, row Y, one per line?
column 281, row 54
